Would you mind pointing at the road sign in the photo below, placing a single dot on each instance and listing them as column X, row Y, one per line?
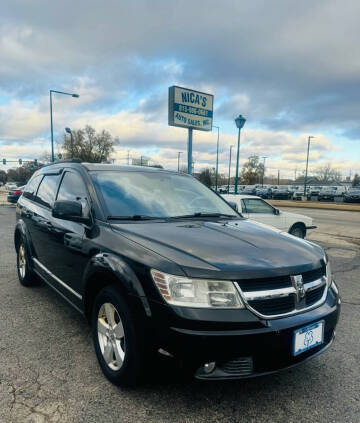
column 190, row 109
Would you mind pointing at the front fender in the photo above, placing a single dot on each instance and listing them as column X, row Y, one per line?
column 22, row 231
column 117, row 267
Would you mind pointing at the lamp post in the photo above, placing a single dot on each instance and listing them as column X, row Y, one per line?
column 231, row 147
column 240, row 122
column 68, row 130
column 51, row 119
column 263, row 175
column 179, row 152
column 217, row 158
column 307, row 163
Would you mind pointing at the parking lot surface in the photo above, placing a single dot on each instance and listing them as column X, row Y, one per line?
column 49, row 372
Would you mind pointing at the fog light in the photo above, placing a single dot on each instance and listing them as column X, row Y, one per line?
column 209, row 367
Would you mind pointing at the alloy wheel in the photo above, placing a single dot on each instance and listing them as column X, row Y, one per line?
column 111, row 336
column 22, row 261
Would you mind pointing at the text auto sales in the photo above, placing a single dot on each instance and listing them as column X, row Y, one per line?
column 195, row 99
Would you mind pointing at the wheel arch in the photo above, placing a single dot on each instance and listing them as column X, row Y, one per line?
column 300, row 224
column 105, row 269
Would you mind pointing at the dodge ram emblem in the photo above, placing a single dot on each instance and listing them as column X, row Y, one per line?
column 298, row 284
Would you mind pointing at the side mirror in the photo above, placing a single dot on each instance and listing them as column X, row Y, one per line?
column 277, row 212
column 69, row 210
column 233, row 205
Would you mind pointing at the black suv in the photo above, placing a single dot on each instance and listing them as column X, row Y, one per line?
column 160, row 264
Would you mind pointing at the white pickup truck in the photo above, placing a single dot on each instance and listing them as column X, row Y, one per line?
column 257, row 209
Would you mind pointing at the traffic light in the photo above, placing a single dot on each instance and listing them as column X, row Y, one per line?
column 20, row 161
column 35, row 162
column 4, row 161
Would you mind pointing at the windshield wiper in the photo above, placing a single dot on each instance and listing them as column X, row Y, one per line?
column 134, row 217
column 200, row 214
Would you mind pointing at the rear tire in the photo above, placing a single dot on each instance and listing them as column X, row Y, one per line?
column 25, row 274
column 118, row 342
column 298, row 230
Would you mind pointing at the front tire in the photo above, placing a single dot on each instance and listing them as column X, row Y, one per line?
column 25, row 274
column 118, row 342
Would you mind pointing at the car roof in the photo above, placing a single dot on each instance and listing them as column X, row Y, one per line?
column 101, row 167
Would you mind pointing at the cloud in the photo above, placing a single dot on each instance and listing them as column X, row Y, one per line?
column 292, row 69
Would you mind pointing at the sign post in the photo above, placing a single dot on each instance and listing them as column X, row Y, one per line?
column 190, row 109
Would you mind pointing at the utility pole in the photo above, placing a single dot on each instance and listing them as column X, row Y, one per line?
column 217, row 158
column 263, row 175
column 231, row 147
column 278, row 177
column 179, row 152
column 128, row 157
column 307, row 163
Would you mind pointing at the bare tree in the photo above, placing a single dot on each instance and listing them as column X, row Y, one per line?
column 88, row 145
column 328, row 174
column 252, row 171
column 356, row 180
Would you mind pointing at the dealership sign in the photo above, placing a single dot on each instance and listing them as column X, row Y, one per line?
column 190, row 109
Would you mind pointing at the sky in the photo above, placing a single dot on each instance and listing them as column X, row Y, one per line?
column 291, row 68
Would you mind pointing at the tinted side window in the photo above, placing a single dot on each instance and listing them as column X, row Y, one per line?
column 30, row 189
column 257, row 206
column 47, row 190
column 73, row 188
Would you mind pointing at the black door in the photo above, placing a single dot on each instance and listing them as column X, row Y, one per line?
column 67, row 255
column 38, row 213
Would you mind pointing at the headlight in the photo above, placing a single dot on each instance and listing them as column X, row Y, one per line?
column 328, row 273
column 182, row 291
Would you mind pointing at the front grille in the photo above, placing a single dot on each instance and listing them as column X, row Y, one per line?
column 279, row 282
column 265, row 283
column 276, row 306
column 314, row 296
column 277, row 296
column 241, row 366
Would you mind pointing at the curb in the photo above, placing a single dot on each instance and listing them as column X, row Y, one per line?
column 313, row 205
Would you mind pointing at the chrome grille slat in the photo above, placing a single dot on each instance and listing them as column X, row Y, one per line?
column 275, row 302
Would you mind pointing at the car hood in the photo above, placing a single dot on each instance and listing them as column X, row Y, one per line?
column 237, row 248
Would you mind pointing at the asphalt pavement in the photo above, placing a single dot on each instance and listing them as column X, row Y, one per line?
column 49, row 372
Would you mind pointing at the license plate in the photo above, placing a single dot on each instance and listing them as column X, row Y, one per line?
column 308, row 337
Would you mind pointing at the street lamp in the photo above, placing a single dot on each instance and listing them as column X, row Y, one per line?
column 179, row 152
column 231, row 147
column 51, row 119
column 217, row 158
column 263, row 175
column 240, row 122
column 307, row 163
column 68, row 130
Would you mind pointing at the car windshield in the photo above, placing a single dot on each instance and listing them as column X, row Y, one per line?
column 145, row 194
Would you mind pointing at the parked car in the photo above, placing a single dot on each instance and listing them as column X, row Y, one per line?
column 329, row 193
column 257, row 209
column 281, row 193
column 14, row 194
column 10, row 186
column 249, row 190
column 315, row 191
column 352, row 195
column 299, row 193
column 159, row 263
column 264, row 192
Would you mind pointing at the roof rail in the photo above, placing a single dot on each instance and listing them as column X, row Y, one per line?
column 75, row 160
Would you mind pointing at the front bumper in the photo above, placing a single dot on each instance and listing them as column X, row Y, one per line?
column 199, row 336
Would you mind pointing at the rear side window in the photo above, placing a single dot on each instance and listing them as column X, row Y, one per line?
column 30, row 189
column 47, row 190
